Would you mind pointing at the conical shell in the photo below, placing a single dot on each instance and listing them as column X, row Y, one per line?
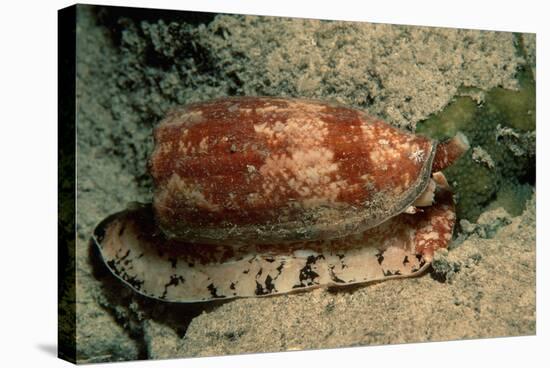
column 273, row 170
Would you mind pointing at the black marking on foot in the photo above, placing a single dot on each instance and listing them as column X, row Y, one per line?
column 124, row 256
column 112, row 265
column 380, row 257
column 259, row 289
column 131, row 280
column 405, row 260
column 232, row 286
column 270, row 287
column 246, row 271
column 389, row 273
column 341, row 257
column 307, row 275
column 174, row 281
column 118, row 261
column 134, row 281
column 334, row 277
column 214, row 291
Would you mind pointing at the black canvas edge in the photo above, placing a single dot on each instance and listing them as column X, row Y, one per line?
column 66, row 93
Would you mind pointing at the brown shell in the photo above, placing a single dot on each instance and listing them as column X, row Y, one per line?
column 272, row 170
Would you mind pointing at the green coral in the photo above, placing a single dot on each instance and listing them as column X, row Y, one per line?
column 476, row 183
column 517, row 107
column 503, row 126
